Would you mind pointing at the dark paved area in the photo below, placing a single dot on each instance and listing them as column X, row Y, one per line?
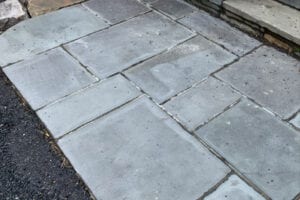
column 30, row 167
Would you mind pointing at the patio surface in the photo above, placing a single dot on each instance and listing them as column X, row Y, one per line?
column 160, row 101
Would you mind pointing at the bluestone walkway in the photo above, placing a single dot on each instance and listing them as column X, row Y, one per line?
column 158, row 100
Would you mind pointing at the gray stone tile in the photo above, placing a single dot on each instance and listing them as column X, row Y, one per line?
column 201, row 103
column 270, row 14
column 234, row 189
column 220, row 32
column 174, row 8
column 270, row 77
column 48, row 77
column 138, row 152
column 116, row 10
column 264, row 149
column 167, row 74
column 45, row 32
column 72, row 112
column 115, row 49
column 296, row 121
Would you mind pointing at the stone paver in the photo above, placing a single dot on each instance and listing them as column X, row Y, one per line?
column 113, row 50
column 173, row 8
column 48, row 77
column 138, row 152
column 264, row 149
column 116, row 11
column 220, row 32
column 296, row 121
column 167, row 74
column 11, row 12
column 234, row 189
column 85, row 106
column 45, row 32
column 278, row 18
column 39, row 7
column 270, row 77
column 201, row 103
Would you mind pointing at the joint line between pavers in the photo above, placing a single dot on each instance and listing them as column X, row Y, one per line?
column 215, row 153
column 297, row 197
column 100, row 116
column 215, row 187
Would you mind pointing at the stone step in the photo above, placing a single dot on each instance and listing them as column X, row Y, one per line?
column 276, row 17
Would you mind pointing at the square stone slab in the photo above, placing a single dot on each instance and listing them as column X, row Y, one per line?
column 220, row 32
column 48, row 77
column 39, row 7
column 201, row 103
column 169, row 73
column 296, row 121
column 139, row 152
column 113, row 50
column 45, row 32
column 234, row 189
column 270, row 77
column 116, row 11
column 174, row 8
column 261, row 147
column 82, row 107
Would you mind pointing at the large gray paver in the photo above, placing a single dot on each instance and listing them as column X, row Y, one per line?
column 201, row 103
column 174, row 8
column 75, row 110
column 113, row 50
column 296, row 121
column 138, row 152
column 45, row 32
column 169, row 73
column 220, row 32
column 116, row 11
column 48, row 77
column 234, row 189
column 261, row 147
column 278, row 18
column 270, row 77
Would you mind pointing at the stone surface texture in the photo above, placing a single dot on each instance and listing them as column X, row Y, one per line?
column 48, row 77
column 168, row 74
column 138, row 152
column 234, row 189
column 220, row 32
column 201, row 103
column 263, row 148
column 39, row 7
column 11, row 12
column 32, row 36
column 73, row 111
column 270, row 77
column 116, row 11
column 293, row 3
column 278, row 18
column 113, row 50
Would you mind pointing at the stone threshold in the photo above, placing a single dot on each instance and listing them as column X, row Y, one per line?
column 268, row 20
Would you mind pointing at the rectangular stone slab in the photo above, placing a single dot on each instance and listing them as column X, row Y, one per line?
column 48, row 77
column 84, row 106
column 278, row 18
column 234, row 189
column 201, row 103
column 139, row 152
column 169, row 73
column 116, row 11
column 261, row 147
column 269, row 77
column 115, row 49
column 220, row 32
column 45, row 32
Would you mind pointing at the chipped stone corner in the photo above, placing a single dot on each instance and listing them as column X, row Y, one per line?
column 11, row 12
